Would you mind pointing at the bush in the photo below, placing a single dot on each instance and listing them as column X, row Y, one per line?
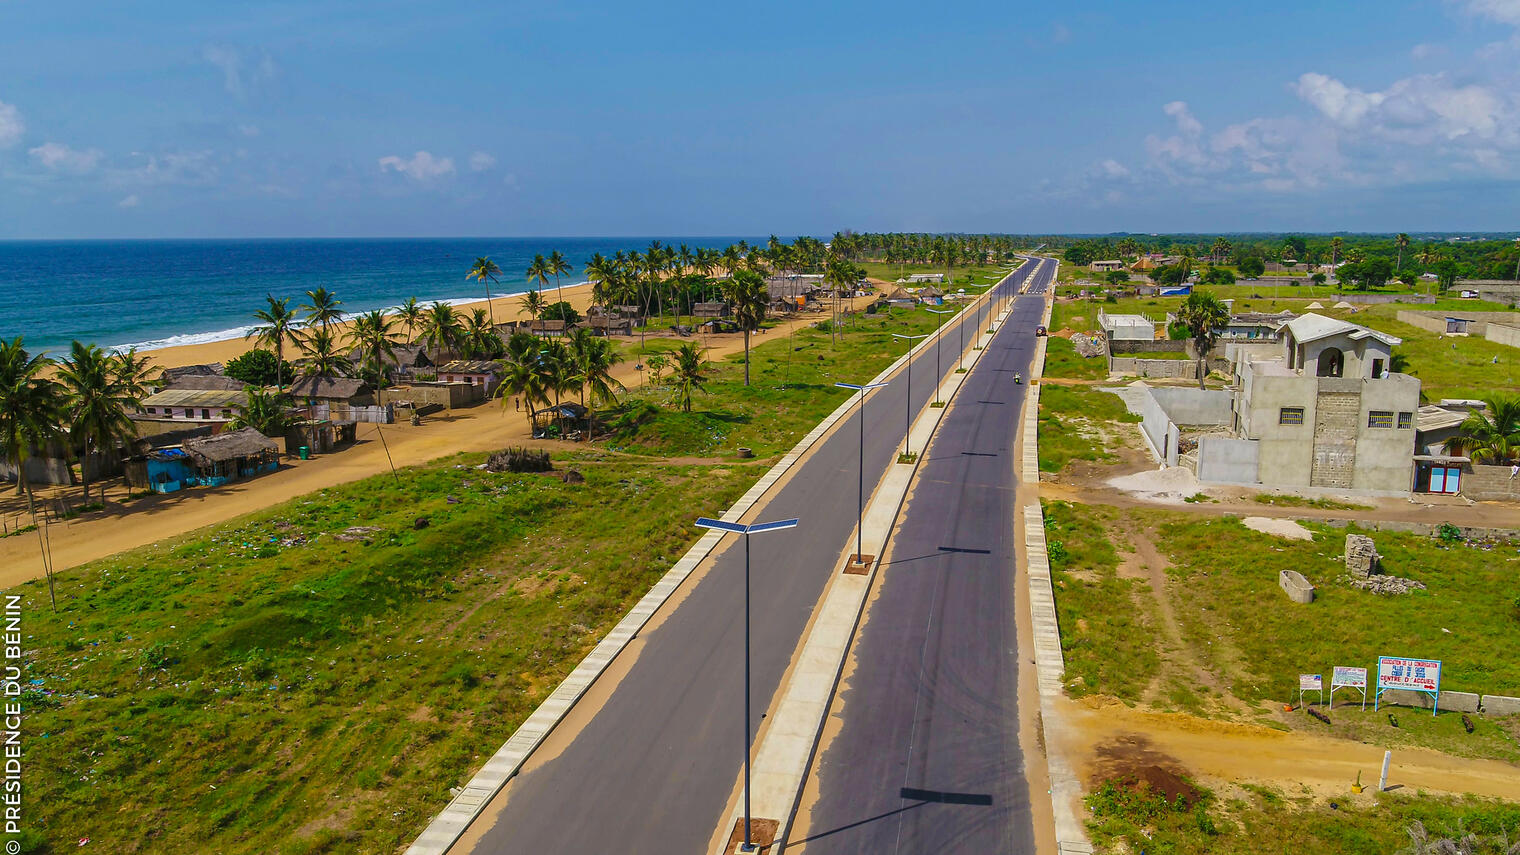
column 519, row 459
column 561, row 311
column 1449, row 534
column 258, row 368
column 1055, row 550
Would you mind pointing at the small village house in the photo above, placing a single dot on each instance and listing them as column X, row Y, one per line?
column 332, row 391
column 210, row 406
column 207, row 461
column 476, row 372
column 1107, row 265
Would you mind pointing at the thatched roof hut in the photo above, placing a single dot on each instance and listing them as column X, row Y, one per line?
column 215, row 452
column 208, row 382
column 328, row 388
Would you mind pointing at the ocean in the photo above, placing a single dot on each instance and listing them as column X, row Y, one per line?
column 161, row 293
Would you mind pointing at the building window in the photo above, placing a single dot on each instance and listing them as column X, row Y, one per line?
column 1377, row 369
column 1290, row 416
column 205, row 414
column 150, row 411
column 1379, row 419
column 1406, row 421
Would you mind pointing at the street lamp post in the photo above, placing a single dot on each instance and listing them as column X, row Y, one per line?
column 937, row 375
column 745, row 531
column 908, row 410
column 860, row 484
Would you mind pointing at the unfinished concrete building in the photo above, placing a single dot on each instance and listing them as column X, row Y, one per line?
column 1325, row 411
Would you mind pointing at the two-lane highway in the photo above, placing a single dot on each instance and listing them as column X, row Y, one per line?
column 651, row 771
column 928, row 757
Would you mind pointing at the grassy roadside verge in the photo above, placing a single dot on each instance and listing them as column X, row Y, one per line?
column 792, row 388
column 1063, row 362
column 1077, row 423
column 277, row 684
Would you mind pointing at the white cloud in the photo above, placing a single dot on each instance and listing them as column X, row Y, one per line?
column 1420, row 110
column 129, row 202
column 179, row 167
column 11, row 125
column 481, row 161
column 1505, row 11
column 1426, row 51
column 58, row 157
column 241, row 74
column 1113, row 169
column 421, row 166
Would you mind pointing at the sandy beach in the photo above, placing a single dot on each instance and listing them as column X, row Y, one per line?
column 506, row 308
column 154, row 518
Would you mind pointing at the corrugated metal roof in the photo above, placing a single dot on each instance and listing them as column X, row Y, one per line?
column 195, row 398
column 1432, row 417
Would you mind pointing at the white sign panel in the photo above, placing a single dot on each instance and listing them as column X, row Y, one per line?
column 1345, row 675
column 1311, row 682
column 1420, row 675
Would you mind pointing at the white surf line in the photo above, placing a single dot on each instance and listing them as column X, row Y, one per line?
column 446, row 828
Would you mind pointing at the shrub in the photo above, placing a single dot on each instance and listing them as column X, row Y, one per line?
column 259, row 368
column 1055, row 550
column 519, row 459
column 1449, row 534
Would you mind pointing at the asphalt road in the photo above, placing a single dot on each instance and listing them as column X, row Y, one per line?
column 651, row 772
column 928, row 759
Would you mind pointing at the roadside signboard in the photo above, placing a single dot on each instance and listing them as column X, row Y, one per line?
column 1415, row 675
column 1349, row 677
column 1311, row 683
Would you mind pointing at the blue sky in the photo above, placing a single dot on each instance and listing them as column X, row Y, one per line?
column 382, row 118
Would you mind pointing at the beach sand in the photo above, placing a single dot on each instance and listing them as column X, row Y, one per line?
column 151, row 519
column 506, row 309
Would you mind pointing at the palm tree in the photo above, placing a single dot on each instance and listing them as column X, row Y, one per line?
column 410, row 316
column 558, row 266
column 1204, row 316
column 278, row 326
column 266, row 412
column 1402, row 242
column 478, row 337
column 687, row 374
column 323, row 358
column 440, row 329
column 322, row 308
column 1335, row 249
column 485, row 271
column 525, row 374
column 31, row 406
column 373, row 334
column 1490, row 435
column 132, row 372
column 745, row 294
column 538, row 273
column 30, row 409
column 533, row 303
column 602, row 271
column 96, row 405
column 594, row 358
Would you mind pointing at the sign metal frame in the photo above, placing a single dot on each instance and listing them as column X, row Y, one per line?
column 1405, row 662
column 1337, row 683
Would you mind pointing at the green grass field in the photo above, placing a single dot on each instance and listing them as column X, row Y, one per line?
column 792, row 389
column 266, row 686
column 1254, row 820
column 1073, row 423
column 1063, row 361
column 1102, row 616
column 1238, row 626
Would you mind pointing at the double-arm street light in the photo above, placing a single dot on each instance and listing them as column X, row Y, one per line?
column 860, row 483
column 745, row 531
column 937, row 327
column 908, row 409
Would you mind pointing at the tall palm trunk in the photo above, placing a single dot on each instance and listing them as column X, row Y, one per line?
column 746, row 357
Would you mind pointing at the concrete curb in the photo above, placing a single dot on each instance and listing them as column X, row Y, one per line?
column 1050, row 663
column 785, row 753
column 446, row 828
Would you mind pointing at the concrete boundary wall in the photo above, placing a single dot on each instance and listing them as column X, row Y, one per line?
column 1434, row 321
column 1503, row 333
column 1229, row 461
column 1186, row 369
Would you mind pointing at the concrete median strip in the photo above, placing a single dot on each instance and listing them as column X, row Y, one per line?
column 785, row 750
column 446, row 828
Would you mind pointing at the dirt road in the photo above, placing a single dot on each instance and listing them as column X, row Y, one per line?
column 1106, row 737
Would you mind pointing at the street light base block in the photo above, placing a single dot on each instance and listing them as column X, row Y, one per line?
column 859, row 565
column 762, row 835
